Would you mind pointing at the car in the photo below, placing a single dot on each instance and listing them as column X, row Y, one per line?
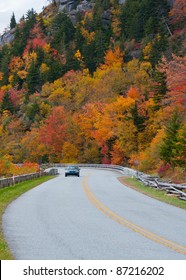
column 72, row 170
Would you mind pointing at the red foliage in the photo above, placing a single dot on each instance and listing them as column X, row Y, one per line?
column 104, row 152
column 54, row 131
column 178, row 12
column 1, row 95
column 37, row 39
column 163, row 169
column 33, row 44
column 14, row 95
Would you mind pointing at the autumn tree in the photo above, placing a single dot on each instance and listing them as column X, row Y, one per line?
column 53, row 133
column 32, row 148
column 177, row 14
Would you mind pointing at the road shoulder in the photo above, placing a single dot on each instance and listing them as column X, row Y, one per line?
column 153, row 193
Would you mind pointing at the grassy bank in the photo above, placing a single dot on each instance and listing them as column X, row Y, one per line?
column 7, row 195
column 157, row 194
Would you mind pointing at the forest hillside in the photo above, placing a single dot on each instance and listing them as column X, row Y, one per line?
column 100, row 82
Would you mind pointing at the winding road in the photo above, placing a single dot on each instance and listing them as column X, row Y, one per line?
column 93, row 217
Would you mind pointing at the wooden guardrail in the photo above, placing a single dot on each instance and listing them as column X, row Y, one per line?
column 178, row 190
column 6, row 182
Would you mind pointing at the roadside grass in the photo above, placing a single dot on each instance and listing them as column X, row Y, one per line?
column 157, row 194
column 7, row 195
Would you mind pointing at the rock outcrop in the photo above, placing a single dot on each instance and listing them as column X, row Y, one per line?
column 71, row 5
column 7, row 37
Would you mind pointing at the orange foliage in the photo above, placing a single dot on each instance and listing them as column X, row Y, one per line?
column 113, row 58
column 133, row 93
column 8, row 169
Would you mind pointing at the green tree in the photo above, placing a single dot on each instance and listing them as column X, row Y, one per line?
column 22, row 33
column 12, row 21
column 143, row 18
column 5, row 57
column 7, row 103
column 170, row 149
column 33, row 82
column 160, row 86
column 63, row 31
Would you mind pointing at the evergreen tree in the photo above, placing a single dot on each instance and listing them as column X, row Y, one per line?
column 7, row 103
column 169, row 149
column 160, row 86
column 139, row 121
column 63, row 31
column 140, row 18
column 22, row 34
column 12, row 21
column 32, row 79
column 4, row 64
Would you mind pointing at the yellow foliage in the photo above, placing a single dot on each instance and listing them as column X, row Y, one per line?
column 6, row 113
column 6, row 87
column 133, row 66
column 46, row 90
column 44, row 68
column 123, row 105
column 149, row 158
column 146, row 65
column 46, row 48
column 45, row 109
column 46, row 21
column 28, row 58
column 69, row 153
column 139, row 74
column 89, row 36
column 89, row 15
column 1, row 130
column 33, row 56
column 1, row 76
column 22, row 74
column 16, row 64
column 78, row 55
column 33, row 145
column 147, row 50
column 57, row 92
column 10, row 79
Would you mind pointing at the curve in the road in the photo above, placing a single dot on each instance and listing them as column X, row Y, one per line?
column 154, row 237
column 63, row 219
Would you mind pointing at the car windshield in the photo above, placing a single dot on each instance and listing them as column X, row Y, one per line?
column 72, row 167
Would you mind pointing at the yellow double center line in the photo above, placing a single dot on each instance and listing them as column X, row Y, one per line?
column 163, row 241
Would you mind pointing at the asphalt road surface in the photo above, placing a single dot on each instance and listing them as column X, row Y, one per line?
column 91, row 217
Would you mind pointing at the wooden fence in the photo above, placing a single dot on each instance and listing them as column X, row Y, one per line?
column 178, row 190
column 22, row 178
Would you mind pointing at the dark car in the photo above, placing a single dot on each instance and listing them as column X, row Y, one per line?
column 72, row 170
